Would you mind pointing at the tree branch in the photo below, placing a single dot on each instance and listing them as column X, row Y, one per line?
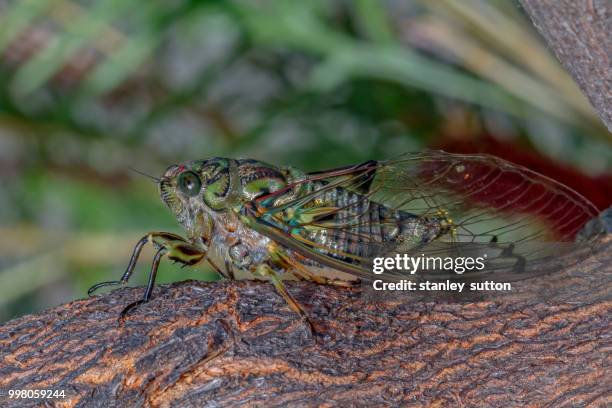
column 236, row 343
column 579, row 34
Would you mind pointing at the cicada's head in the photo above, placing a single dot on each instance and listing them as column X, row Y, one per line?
column 201, row 186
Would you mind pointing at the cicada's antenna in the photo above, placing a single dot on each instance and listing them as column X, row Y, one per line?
column 142, row 173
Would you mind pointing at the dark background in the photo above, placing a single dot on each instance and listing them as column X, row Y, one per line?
column 89, row 88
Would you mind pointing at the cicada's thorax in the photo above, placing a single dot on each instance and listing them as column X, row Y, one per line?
column 230, row 184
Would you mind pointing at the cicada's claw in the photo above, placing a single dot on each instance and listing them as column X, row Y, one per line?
column 97, row 286
column 128, row 308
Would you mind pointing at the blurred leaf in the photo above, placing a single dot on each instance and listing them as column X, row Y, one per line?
column 372, row 19
column 511, row 38
column 78, row 33
column 345, row 58
column 120, row 64
column 19, row 16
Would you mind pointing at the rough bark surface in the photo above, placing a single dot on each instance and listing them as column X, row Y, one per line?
column 237, row 343
column 578, row 31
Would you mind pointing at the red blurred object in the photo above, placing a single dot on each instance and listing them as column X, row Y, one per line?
column 598, row 190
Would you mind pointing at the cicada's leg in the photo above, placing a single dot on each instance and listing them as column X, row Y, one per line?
column 301, row 272
column 264, row 270
column 172, row 245
column 128, row 272
column 150, row 284
column 303, row 277
column 304, row 274
column 327, row 281
column 508, row 252
column 228, row 273
column 229, row 268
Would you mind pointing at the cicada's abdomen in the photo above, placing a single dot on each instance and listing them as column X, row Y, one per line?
column 352, row 226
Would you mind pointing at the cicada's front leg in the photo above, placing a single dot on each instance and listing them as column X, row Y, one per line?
column 173, row 246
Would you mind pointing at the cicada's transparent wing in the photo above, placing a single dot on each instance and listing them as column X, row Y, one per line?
column 483, row 191
column 521, row 219
column 430, row 204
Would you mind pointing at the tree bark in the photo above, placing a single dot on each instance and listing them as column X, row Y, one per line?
column 237, row 343
column 578, row 31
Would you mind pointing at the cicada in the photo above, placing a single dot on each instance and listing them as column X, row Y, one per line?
column 252, row 219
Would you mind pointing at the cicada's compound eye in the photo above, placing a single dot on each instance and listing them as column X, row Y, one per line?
column 189, row 183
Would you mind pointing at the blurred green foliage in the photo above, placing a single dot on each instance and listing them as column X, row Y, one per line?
column 89, row 88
